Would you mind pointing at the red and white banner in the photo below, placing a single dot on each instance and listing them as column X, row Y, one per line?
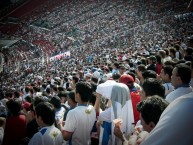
column 61, row 55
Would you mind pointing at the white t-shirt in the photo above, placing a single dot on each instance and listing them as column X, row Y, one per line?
column 1, row 134
column 105, row 115
column 47, row 136
column 175, row 124
column 177, row 93
column 60, row 113
column 168, row 88
column 191, row 82
column 80, row 121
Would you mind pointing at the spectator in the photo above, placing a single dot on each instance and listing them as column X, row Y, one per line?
column 150, row 112
column 152, row 86
column 148, row 74
column 158, row 64
column 180, row 79
column 135, row 94
column 140, row 69
column 169, row 122
column 15, row 124
column 81, row 119
column 48, row 133
column 32, row 126
column 165, row 76
column 71, row 102
column 59, row 110
column 152, row 63
column 119, row 95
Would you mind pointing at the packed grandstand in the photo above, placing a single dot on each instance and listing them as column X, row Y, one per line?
column 55, row 45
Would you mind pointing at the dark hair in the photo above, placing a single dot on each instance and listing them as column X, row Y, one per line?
column 167, row 51
column 46, row 111
column 37, row 100
column 116, row 64
column 158, row 58
column 132, row 70
column 14, row 107
column 55, row 88
column 28, row 99
column 92, row 99
column 56, row 102
column 65, row 79
column 189, row 51
column 184, row 72
column 8, row 94
column 60, row 89
column 75, row 78
column 31, row 91
column 44, row 86
column 170, row 62
column 132, row 74
column 172, row 51
column 94, row 86
column 63, row 94
column 94, row 79
column 152, row 108
column 116, row 76
column 149, row 74
column 16, row 94
column 181, row 61
column 48, row 90
column 71, row 95
column 152, row 86
column 168, row 70
column 58, row 83
column 27, row 89
column 31, row 108
column 143, row 61
column 177, row 47
column 36, row 89
column 141, row 67
column 85, row 90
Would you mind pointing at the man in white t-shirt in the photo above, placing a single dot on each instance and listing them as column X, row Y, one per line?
column 48, row 134
column 174, row 126
column 165, row 75
column 180, row 79
column 59, row 109
column 80, row 120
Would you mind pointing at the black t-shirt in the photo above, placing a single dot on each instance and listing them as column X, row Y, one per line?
column 32, row 128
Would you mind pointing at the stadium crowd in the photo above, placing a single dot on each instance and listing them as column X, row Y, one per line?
column 127, row 79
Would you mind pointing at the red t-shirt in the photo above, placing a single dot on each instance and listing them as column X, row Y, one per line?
column 14, row 130
column 158, row 68
column 135, row 99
